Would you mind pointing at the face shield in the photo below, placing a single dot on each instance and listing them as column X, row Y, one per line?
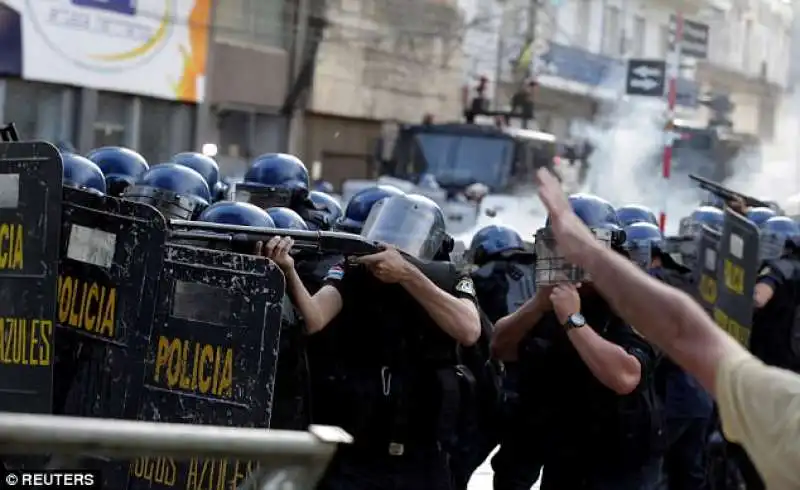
column 171, row 204
column 414, row 227
column 552, row 267
column 771, row 246
column 640, row 252
column 262, row 196
column 682, row 250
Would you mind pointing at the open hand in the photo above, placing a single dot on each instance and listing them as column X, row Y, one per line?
column 574, row 239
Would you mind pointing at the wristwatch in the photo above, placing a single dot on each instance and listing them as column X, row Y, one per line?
column 574, row 321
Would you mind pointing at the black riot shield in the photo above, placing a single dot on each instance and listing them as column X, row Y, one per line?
column 736, row 276
column 111, row 256
column 705, row 269
column 212, row 357
column 110, row 259
column 30, row 211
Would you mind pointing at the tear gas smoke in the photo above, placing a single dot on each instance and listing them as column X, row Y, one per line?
column 771, row 172
column 626, row 164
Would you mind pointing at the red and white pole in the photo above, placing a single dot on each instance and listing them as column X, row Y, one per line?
column 672, row 95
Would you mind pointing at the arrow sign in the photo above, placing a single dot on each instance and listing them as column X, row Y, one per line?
column 644, row 71
column 646, row 78
column 646, row 84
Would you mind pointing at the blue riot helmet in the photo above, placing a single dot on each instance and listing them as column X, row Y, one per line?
column 428, row 181
column 704, row 215
column 776, row 233
column 202, row 164
column 492, row 241
column 274, row 180
column 81, row 173
column 236, row 213
column 759, row 216
column 323, row 186
column 177, row 191
column 359, row 206
column 220, row 191
column 121, row 166
column 599, row 216
column 286, row 219
column 641, row 241
column 412, row 223
column 713, row 200
column 327, row 206
column 634, row 213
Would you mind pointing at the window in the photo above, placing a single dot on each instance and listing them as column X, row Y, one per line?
column 611, row 31
column 747, row 45
column 259, row 22
column 665, row 40
column 639, row 33
column 583, row 21
column 37, row 110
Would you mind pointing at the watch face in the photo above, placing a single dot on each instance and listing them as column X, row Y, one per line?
column 577, row 320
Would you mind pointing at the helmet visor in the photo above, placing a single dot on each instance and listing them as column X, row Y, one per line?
column 410, row 226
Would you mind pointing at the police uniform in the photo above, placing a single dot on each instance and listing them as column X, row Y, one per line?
column 771, row 336
column 688, row 409
column 588, row 436
column 400, row 397
column 497, row 296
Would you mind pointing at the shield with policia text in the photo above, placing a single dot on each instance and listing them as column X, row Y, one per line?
column 111, row 257
column 30, row 216
column 736, row 276
column 706, row 267
column 211, row 358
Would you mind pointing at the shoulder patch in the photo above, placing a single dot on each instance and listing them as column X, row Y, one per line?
column 335, row 273
column 466, row 286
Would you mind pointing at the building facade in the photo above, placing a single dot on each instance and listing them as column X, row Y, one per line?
column 581, row 46
column 378, row 61
column 141, row 75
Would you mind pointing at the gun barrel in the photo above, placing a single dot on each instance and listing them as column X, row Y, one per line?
column 725, row 192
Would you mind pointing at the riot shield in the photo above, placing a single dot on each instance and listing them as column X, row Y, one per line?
column 211, row 358
column 737, row 276
column 706, row 267
column 30, row 210
column 111, row 257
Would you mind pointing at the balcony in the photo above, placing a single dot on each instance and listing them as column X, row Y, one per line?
column 594, row 75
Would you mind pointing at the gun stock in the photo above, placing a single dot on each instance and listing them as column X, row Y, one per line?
column 727, row 194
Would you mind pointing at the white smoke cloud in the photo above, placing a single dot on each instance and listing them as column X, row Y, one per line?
column 771, row 170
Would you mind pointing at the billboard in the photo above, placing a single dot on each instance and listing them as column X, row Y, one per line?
column 155, row 48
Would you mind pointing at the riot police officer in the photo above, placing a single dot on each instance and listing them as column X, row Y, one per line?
column 202, row 164
column 504, row 282
column 775, row 334
column 586, row 378
column 685, row 244
column 327, row 206
column 81, row 173
column 760, row 215
column 359, row 206
column 635, row 213
column 121, row 167
column 403, row 315
column 177, row 191
column 687, row 407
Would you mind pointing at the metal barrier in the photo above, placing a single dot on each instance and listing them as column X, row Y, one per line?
column 287, row 459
